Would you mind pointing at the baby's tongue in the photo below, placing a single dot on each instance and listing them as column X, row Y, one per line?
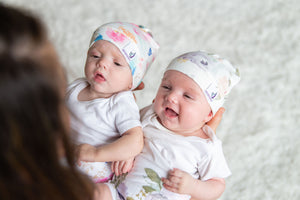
column 171, row 113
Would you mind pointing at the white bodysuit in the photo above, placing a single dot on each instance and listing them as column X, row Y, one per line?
column 163, row 151
column 100, row 121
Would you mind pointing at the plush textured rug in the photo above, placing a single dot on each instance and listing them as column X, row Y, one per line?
column 260, row 134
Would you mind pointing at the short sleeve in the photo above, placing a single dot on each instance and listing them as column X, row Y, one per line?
column 214, row 165
column 126, row 112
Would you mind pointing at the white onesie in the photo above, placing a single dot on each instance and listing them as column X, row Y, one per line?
column 100, row 121
column 163, row 151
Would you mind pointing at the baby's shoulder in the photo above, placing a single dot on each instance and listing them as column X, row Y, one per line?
column 78, row 82
column 75, row 87
column 123, row 97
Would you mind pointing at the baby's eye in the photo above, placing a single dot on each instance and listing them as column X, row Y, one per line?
column 166, row 87
column 118, row 64
column 187, row 96
column 93, row 55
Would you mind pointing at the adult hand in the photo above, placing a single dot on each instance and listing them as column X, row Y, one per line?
column 140, row 86
column 215, row 121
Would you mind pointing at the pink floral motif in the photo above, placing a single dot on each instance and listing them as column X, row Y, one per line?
column 223, row 85
column 128, row 34
column 103, row 180
column 115, row 35
column 142, row 36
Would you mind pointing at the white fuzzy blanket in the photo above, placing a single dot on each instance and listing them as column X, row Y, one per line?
column 259, row 130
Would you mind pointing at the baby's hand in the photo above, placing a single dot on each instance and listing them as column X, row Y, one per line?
column 120, row 167
column 178, row 181
column 86, row 152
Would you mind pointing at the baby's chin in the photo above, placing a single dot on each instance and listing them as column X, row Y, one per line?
column 167, row 124
column 183, row 131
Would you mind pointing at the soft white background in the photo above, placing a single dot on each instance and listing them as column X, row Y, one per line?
column 259, row 130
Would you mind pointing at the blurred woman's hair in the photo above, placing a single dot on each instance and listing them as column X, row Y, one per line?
column 37, row 158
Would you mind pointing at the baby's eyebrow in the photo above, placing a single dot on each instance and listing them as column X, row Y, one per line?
column 165, row 79
column 92, row 50
column 194, row 90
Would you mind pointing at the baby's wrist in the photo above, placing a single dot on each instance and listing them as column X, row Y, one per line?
column 193, row 186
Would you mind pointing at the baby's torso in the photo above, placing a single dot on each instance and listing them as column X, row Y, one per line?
column 102, row 120
column 162, row 152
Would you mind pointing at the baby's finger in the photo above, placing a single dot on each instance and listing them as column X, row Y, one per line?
column 170, row 188
column 116, row 168
column 112, row 167
column 174, row 179
column 127, row 167
column 121, row 167
column 169, row 185
column 176, row 172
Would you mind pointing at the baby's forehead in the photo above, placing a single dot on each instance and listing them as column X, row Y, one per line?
column 171, row 77
column 106, row 45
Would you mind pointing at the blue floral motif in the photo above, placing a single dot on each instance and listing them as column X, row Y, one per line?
column 99, row 37
column 150, row 52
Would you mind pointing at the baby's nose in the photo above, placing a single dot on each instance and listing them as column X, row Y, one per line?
column 103, row 63
column 172, row 97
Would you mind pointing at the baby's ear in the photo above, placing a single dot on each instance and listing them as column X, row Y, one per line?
column 130, row 86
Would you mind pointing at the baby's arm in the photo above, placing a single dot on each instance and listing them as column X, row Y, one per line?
column 181, row 182
column 126, row 147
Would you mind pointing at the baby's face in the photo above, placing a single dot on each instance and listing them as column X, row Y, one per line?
column 106, row 70
column 181, row 105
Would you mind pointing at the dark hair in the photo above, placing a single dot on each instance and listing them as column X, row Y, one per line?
column 33, row 126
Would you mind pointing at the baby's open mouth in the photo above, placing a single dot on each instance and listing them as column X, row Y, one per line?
column 170, row 112
column 99, row 77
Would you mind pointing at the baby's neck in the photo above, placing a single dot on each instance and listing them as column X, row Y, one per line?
column 87, row 94
column 197, row 133
column 203, row 134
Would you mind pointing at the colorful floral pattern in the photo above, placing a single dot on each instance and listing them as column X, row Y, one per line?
column 154, row 185
column 137, row 46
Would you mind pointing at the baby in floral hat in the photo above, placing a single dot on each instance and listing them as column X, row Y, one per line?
column 182, row 157
column 104, row 112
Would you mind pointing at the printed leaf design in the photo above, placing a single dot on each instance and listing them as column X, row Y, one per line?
column 118, row 179
column 153, row 175
column 218, row 97
column 148, row 189
column 129, row 198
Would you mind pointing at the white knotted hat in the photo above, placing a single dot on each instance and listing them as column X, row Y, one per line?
column 215, row 76
column 135, row 43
